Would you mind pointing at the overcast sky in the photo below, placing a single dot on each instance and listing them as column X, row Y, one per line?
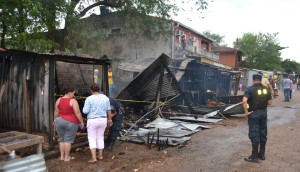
column 233, row 18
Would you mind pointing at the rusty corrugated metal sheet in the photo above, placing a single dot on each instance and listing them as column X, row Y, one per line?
column 33, row 163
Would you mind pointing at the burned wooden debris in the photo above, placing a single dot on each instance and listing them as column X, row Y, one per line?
column 168, row 100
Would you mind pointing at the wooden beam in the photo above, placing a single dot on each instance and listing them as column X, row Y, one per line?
column 159, row 89
column 12, row 138
column 39, row 148
column 105, row 87
column 10, row 134
column 52, row 66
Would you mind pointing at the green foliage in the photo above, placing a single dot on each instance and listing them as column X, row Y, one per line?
column 24, row 23
column 290, row 66
column 27, row 23
column 260, row 51
column 218, row 39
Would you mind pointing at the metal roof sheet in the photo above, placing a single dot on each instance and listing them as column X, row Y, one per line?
column 62, row 57
column 144, row 86
column 33, row 163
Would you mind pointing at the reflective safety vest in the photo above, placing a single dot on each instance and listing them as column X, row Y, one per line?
column 110, row 78
column 259, row 99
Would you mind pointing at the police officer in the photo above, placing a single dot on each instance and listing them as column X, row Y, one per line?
column 117, row 111
column 255, row 101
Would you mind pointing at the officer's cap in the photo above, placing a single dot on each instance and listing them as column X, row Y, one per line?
column 257, row 77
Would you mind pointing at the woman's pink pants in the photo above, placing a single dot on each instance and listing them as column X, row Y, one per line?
column 96, row 128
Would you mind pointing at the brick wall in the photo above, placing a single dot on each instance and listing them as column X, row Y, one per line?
column 69, row 74
column 228, row 59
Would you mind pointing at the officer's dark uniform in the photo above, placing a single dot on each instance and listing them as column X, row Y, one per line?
column 117, row 123
column 258, row 97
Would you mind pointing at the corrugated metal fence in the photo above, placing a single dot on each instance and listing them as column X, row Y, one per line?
column 24, row 89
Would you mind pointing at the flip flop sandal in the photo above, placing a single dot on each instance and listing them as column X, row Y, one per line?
column 100, row 158
column 71, row 158
column 92, row 161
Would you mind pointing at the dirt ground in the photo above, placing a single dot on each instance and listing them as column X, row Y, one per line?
column 221, row 148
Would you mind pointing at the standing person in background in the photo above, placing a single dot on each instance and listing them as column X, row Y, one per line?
column 110, row 82
column 255, row 101
column 117, row 117
column 275, row 89
column 287, row 86
column 298, row 82
column 265, row 81
column 291, row 90
column 97, row 108
column 66, row 120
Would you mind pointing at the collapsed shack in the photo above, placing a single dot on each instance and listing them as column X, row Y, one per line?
column 155, row 94
column 153, row 86
column 204, row 88
column 209, row 88
column 28, row 89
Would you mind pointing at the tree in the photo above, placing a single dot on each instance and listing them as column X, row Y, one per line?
column 23, row 23
column 218, row 39
column 261, row 51
column 290, row 66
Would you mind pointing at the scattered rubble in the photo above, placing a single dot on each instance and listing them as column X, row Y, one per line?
column 160, row 112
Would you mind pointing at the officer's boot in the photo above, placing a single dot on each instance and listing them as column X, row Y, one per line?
column 262, row 149
column 254, row 156
column 111, row 145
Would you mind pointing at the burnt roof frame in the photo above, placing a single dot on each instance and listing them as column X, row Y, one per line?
column 104, row 60
column 162, row 62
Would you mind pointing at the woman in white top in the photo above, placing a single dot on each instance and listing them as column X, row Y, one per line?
column 97, row 108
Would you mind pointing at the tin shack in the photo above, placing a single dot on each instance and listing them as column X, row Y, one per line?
column 29, row 85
